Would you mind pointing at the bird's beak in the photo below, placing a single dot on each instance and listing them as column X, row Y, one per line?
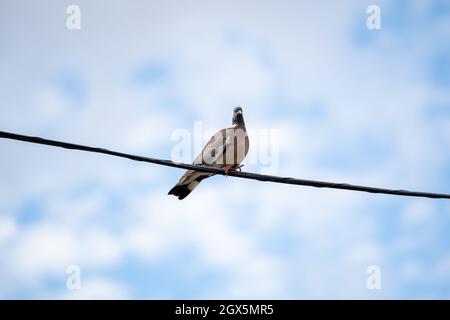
column 239, row 112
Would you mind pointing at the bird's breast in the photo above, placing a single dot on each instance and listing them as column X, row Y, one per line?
column 236, row 147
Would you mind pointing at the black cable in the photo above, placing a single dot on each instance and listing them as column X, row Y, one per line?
column 203, row 168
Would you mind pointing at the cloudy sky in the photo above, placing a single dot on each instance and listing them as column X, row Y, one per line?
column 347, row 103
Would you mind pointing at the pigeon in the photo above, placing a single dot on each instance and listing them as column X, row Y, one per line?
column 225, row 150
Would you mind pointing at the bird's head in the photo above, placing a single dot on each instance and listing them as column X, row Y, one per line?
column 238, row 117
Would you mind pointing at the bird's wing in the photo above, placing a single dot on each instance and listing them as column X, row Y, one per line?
column 215, row 149
column 211, row 153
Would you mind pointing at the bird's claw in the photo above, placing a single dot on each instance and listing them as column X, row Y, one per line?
column 226, row 169
column 229, row 168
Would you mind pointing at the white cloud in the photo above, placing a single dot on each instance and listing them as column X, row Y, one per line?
column 8, row 228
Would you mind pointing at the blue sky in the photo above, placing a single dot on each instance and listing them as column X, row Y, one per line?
column 350, row 104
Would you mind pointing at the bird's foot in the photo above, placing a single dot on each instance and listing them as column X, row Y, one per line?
column 232, row 167
column 227, row 169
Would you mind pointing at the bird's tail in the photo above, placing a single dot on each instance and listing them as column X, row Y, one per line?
column 188, row 182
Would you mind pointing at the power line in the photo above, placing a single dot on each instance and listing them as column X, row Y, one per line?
column 238, row 174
